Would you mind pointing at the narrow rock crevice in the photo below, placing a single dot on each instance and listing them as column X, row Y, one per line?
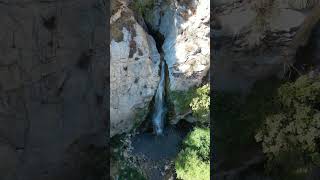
column 147, row 125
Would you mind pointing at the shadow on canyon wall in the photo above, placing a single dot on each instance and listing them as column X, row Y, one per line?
column 53, row 73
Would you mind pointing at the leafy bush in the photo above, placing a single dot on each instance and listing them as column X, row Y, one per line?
column 195, row 99
column 294, row 131
column 130, row 173
column 200, row 104
column 193, row 161
column 182, row 100
column 142, row 6
column 123, row 167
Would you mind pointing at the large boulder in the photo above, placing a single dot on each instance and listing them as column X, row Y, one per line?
column 134, row 75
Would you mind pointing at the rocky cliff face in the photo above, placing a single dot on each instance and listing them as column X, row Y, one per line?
column 256, row 39
column 186, row 30
column 134, row 75
column 135, row 59
column 52, row 84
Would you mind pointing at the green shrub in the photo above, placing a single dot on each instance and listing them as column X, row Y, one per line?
column 195, row 99
column 130, row 173
column 142, row 6
column 193, row 161
column 199, row 141
column 200, row 104
column 124, row 167
column 294, row 130
column 182, row 100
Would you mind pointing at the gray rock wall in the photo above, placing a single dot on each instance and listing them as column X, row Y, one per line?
column 250, row 46
column 134, row 67
column 185, row 27
column 52, row 82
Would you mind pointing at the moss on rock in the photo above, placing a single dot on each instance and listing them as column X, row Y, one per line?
column 196, row 99
column 140, row 116
column 181, row 100
column 141, row 7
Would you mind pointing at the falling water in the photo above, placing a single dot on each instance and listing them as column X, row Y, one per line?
column 159, row 105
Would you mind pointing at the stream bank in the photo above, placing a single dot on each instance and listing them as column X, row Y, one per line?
column 156, row 154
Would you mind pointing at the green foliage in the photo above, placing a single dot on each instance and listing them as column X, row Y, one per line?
column 199, row 141
column 129, row 173
column 295, row 126
column 142, row 6
column 200, row 104
column 140, row 116
column 116, row 144
column 193, row 161
column 182, row 100
column 195, row 99
column 125, row 169
column 190, row 167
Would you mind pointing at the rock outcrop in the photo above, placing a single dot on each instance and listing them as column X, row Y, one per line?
column 256, row 39
column 53, row 71
column 134, row 75
column 186, row 30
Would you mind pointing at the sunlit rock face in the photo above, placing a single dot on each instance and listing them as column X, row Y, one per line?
column 134, row 67
column 250, row 46
column 53, row 71
column 185, row 26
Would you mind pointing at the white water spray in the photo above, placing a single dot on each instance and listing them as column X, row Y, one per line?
column 159, row 104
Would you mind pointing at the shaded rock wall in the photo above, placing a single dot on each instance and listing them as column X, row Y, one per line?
column 250, row 46
column 52, row 83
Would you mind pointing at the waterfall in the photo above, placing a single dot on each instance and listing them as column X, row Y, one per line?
column 159, row 105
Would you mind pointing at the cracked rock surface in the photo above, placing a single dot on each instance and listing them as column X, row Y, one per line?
column 52, row 83
column 134, row 67
column 250, row 46
column 186, row 48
